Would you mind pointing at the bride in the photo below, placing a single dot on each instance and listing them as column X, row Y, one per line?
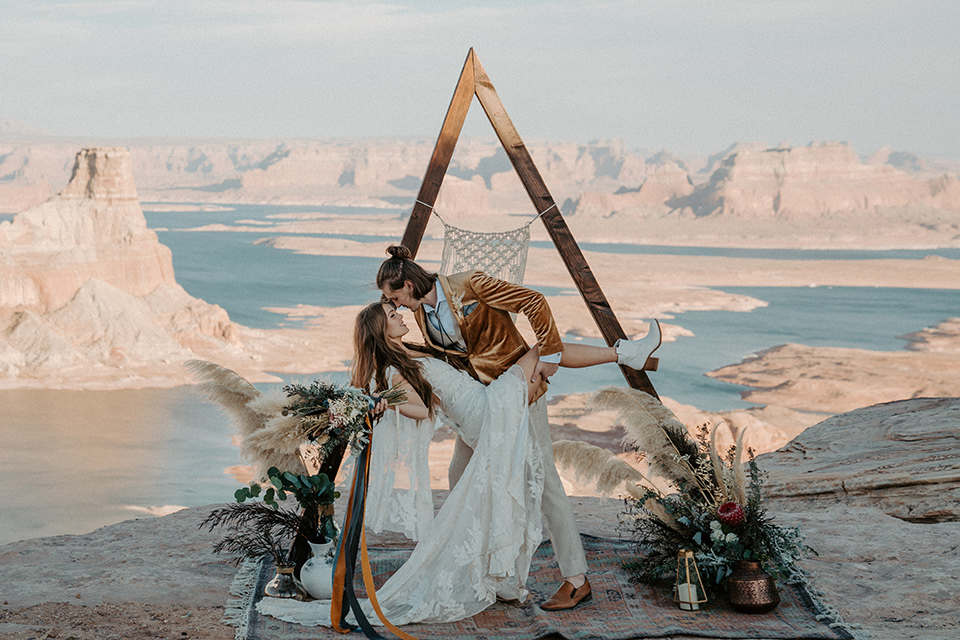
column 481, row 542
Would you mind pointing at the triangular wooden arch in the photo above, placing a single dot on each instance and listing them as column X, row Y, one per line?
column 474, row 81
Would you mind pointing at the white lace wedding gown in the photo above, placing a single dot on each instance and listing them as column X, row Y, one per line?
column 483, row 538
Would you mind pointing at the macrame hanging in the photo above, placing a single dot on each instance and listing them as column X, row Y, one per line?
column 501, row 254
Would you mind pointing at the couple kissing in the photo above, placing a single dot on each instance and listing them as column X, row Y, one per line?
column 477, row 375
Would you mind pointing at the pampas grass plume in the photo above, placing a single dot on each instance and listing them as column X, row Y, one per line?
column 740, row 479
column 231, row 391
column 268, row 438
column 652, row 428
column 600, row 466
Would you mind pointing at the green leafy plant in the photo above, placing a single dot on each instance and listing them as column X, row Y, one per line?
column 312, row 493
column 265, row 527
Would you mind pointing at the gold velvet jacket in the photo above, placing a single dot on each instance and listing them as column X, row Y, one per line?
column 482, row 306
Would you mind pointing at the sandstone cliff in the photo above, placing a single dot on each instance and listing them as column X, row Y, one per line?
column 93, row 229
column 805, row 182
column 87, row 290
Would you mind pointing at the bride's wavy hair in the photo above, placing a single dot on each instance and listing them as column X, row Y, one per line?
column 373, row 352
column 400, row 267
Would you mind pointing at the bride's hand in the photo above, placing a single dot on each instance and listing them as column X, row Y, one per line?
column 379, row 409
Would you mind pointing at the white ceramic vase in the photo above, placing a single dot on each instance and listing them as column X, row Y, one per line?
column 316, row 575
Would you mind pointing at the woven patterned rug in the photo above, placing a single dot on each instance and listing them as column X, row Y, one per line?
column 619, row 610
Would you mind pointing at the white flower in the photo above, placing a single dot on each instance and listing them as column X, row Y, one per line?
column 716, row 535
column 456, row 303
column 343, row 412
column 715, row 525
column 731, row 537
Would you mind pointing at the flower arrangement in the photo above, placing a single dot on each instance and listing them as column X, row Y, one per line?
column 272, row 426
column 334, row 415
column 709, row 506
column 716, row 517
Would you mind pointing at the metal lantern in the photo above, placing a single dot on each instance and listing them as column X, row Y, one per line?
column 688, row 590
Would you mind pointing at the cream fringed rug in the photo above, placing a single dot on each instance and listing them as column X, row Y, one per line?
column 619, row 610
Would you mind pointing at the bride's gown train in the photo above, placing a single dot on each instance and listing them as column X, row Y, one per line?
column 482, row 540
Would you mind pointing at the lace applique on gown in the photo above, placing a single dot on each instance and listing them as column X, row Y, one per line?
column 483, row 537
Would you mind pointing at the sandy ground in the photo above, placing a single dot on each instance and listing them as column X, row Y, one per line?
column 147, row 578
column 157, row 578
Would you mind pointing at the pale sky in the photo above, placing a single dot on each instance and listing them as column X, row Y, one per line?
column 687, row 76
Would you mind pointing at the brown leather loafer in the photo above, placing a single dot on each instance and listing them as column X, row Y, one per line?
column 567, row 597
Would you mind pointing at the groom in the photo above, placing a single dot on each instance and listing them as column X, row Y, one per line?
column 466, row 318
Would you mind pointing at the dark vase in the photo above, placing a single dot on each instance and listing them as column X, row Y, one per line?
column 750, row 589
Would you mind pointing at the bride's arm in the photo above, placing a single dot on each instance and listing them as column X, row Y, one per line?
column 413, row 408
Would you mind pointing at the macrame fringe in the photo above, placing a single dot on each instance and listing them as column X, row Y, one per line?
column 236, row 613
column 501, row 254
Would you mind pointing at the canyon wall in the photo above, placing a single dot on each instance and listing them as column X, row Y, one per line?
column 817, row 196
column 86, row 288
column 374, row 172
column 93, row 229
column 752, row 182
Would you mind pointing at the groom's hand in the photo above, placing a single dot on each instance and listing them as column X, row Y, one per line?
column 544, row 370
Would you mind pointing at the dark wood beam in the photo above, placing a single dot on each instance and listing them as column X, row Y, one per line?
column 440, row 160
column 474, row 81
column 553, row 220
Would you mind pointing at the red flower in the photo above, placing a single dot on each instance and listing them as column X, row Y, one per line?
column 731, row 514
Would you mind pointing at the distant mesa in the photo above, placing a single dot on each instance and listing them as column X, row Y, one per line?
column 87, row 290
column 749, row 194
column 10, row 128
column 801, row 182
column 755, row 182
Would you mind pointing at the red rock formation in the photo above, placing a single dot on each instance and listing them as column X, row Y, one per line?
column 86, row 289
column 664, row 184
column 94, row 228
column 802, row 182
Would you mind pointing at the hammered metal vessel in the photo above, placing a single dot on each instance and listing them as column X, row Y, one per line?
column 750, row 589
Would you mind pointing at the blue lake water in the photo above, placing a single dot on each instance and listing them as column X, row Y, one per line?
column 72, row 461
column 219, row 267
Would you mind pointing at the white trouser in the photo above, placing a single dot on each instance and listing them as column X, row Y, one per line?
column 556, row 507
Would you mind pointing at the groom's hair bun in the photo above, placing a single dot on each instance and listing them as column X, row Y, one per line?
column 400, row 267
column 399, row 252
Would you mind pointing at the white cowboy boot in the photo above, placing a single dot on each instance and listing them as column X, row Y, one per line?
column 636, row 353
